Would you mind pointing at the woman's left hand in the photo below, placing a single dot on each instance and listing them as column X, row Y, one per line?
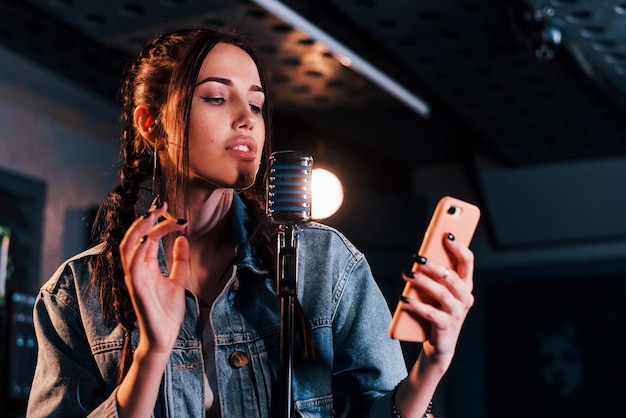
column 449, row 298
column 452, row 298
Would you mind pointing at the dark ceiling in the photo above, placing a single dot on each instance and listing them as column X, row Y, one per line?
column 523, row 82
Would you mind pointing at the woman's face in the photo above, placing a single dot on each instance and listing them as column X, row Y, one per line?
column 226, row 127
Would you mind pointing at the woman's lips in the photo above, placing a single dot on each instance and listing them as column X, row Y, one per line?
column 243, row 148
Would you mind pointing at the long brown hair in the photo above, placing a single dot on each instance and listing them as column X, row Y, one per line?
column 163, row 78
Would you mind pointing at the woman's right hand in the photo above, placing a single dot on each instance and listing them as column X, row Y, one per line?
column 158, row 300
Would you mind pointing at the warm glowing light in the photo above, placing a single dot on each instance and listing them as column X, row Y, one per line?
column 326, row 193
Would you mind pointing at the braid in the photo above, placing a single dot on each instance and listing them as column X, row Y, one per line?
column 115, row 215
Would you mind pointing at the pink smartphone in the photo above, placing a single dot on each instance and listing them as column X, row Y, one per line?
column 451, row 215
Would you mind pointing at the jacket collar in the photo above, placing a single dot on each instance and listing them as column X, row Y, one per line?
column 245, row 254
column 245, row 257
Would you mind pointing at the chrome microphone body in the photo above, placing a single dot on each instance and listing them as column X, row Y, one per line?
column 289, row 187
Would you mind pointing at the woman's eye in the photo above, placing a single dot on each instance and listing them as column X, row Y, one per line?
column 255, row 108
column 213, row 100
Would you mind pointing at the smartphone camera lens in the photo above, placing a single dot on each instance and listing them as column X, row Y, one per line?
column 454, row 211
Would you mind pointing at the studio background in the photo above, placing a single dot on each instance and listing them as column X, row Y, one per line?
column 530, row 129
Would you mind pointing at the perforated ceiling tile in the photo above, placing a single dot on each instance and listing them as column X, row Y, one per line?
column 525, row 81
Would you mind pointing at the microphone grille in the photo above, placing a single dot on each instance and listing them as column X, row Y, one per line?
column 289, row 187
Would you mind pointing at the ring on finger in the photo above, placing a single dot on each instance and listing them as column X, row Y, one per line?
column 446, row 273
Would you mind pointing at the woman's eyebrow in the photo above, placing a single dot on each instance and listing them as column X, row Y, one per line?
column 254, row 87
column 228, row 82
column 216, row 79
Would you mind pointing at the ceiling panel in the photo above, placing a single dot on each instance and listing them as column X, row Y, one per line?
column 523, row 82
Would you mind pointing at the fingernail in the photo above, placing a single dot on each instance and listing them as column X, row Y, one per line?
column 145, row 215
column 404, row 299
column 419, row 259
column 409, row 273
column 158, row 204
column 181, row 221
column 451, row 237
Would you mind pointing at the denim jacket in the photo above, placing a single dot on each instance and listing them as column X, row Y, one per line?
column 355, row 367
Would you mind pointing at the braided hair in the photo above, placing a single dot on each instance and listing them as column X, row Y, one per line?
column 162, row 78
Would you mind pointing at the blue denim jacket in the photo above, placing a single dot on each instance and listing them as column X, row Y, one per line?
column 355, row 368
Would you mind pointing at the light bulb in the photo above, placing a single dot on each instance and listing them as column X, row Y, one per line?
column 326, row 193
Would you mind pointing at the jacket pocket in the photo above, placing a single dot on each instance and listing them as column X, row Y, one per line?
column 315, row 408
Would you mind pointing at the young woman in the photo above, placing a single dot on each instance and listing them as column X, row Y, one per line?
column 175, row 313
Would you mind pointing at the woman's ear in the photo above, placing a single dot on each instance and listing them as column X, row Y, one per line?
column 146, row 123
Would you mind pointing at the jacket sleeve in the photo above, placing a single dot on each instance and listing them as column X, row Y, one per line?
column 67, row 381
column 368, row 363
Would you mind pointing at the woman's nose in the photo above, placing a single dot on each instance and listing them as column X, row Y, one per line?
column 245, row 117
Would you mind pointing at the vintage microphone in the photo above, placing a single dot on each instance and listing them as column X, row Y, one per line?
column 288, row 206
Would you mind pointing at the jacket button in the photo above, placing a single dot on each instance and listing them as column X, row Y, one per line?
column 238, row 359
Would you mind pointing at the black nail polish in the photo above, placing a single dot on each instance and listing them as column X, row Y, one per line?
column 419, row 259
column 158, row 204
column 451, row 237
column 405, row 300
column 181, row 221
column 145, row 215
column 409, row 273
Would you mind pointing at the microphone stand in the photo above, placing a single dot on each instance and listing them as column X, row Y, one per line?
column 287, row 265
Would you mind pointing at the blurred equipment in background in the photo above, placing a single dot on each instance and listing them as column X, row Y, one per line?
column 22, row 201
column 18, row 345
column 19, row 352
